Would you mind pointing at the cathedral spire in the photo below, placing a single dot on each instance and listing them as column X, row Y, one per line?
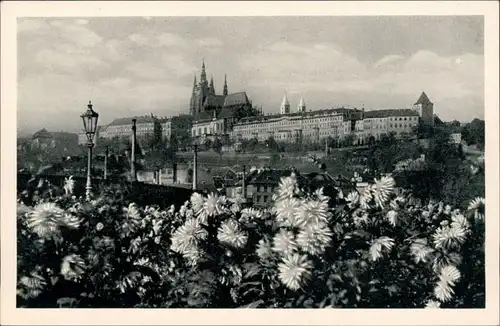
column 212, row 87
column 285, row 105
column 194, row 83
column 224, row 91
column 203, row 73
column 302, row 105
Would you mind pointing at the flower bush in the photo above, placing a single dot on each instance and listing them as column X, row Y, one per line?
column 374, row 250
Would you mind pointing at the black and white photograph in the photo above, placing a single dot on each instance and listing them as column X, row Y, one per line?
column 252, row 161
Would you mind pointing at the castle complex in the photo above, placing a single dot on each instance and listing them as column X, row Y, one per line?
column 232, row 118
column 215, row 117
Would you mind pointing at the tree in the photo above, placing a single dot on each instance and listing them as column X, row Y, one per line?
column 217, row 146
column 174, row 142
column 271, row 144
column 349, row 140
column 474, row 133
column 207, row 143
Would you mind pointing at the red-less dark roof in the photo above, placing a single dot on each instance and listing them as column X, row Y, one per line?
column 54, row 134
column 390, row 113
column 128, row 121
column 236, row 99
column 203, row 116
column 423, row 99
column 214, row 101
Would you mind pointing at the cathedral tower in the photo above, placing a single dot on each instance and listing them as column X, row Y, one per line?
column 285, row 105
column 302, row 105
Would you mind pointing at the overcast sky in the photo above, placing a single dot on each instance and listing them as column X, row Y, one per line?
column 135, row 66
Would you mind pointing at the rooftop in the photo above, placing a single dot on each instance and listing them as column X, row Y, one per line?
column 423, row 99
column 128, row 121
column 389, row 113
column 236, row 99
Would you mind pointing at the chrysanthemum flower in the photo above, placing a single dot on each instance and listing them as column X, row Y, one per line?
column 45, row 220
column 235, row 208
column 441, row 260
column 187, row 236
column 352, row 199
column 197, row 202
column 193, row 256
column 382, row 189
column 99, row 226
column 252, row 213
column 318, row 193
column 213, row 206
column 264, row 250
column 392, row 217
column 230, row 233
column 69, row 185
column 72, row 267
column 319, row 211
column 432, row 304
column 449, row 237
column 132, row 212
column 314, row 238
column 420, row 250
column 449, row 275
column 22, row 209
column 459, row 221
column 397, row 202
column 284, row 242
column 287, row 187
column 365, row 197
column 285, row 211
column 379, row 246
column 294, row 271
column 478, row 206
column 443, row 292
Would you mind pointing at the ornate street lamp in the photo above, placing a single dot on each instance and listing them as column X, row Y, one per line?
column 194, row 146
column 89, row 118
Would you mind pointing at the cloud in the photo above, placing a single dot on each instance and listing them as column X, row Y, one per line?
column 330, row 74
column 64, row 63
column 307, row 66
column 29, row 25
column 81, row 22
column 389, row 60
column 210, row 42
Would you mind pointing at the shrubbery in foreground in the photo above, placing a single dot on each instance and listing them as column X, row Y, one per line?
column 375, row 250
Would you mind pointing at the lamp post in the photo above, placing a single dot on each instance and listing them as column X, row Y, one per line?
column 89, row 118
column 106, row 163
column 132, row 158
column 193, row 145
column 195, row 166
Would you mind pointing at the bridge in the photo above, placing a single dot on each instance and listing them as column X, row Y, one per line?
column 138, row 192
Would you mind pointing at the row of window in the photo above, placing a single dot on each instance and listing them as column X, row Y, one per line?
column 259, row 197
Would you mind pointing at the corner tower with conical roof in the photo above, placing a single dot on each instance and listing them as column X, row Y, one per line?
column 285, row 105
column 425, row 109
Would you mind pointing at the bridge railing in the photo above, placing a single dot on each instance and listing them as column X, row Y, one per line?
column 138, row 192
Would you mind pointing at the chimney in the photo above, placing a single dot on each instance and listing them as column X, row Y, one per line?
column 132, row 159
